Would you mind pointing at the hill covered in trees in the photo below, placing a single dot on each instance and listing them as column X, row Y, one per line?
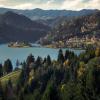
column 70, row 77
column 17, row 27
column 68, row 24
column 79, row 26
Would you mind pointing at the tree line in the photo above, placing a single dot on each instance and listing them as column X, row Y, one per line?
column 70, row 77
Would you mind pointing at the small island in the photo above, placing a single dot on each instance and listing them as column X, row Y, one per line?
column 19, row 45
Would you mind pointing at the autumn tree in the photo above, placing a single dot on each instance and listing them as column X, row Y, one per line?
column 97, row 52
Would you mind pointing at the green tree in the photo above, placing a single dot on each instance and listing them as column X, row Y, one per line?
column 30, row 59
column 97, row 52
column 17, row 63
column 38, row 62
column 1, row 70
column 8, row 66
column 90, row 81
column 71, row 91
column 22, row 78
column 93, row 79
column 44, row 60
column 1, row 92
column 9, row 91
column 50, row 92
column 48, row 60
column 60, row 56
column 21, row 95
column 67, row 54
column 37, row 95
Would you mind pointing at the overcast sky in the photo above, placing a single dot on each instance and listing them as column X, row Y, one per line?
column 51, row 4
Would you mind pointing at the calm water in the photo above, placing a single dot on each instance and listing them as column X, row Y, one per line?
column 21, row 53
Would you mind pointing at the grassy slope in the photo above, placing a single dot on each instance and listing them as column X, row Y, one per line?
column 13, row 76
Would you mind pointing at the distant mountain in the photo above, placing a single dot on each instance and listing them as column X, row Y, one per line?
column 78, row 26
column 37, row 14
column 30, row 25
column 15, row 27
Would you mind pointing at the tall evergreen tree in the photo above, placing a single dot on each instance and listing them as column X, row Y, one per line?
column 1, row 92
column 48, row 60
column 67, row 54
column 1, row 70
column 44, row 61
column 8, row 66
column 50, row 92
column 17, row 63
column 21, row 95
column 60, row 56
column 38, row 61
column 30, row 59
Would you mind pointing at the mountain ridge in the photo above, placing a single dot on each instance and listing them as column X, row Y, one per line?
column 79, row 26
column 37, row 13
column 15, row 27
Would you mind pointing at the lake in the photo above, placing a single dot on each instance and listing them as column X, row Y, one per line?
column 21, row 53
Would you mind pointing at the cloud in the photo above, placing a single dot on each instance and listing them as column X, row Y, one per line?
column 51, row 4
column 24, row 6
column 81, row 4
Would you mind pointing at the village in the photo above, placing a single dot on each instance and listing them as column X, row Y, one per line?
column 76, row 42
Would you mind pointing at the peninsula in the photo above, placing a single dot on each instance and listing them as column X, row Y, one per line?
column 19, row 44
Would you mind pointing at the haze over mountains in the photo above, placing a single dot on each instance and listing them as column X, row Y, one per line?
column 36, row 14
column 31, row 25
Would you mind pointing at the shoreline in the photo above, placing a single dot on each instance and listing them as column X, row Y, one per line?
column 63, row 47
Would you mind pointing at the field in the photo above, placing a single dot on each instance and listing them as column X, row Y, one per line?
column 13, row 76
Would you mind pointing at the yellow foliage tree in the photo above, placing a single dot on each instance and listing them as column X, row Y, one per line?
column 97, row 52
column 62, row 87
column 66, row 63
column 81, row 69
column 31, row 76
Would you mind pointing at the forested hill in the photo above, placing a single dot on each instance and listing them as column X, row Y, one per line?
column 70, row 77
column 78, row 26
column 15, row 27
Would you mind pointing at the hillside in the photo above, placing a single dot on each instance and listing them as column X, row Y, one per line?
column 78, row 26
column 13, row 76
column 70, row 76
column 15, row 27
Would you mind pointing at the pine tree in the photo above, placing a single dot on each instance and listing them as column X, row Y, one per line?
column 1, row 70
column 30, row 59
column 17, row 63
column 60, row 56
column 38, row 62
column 48, row 60
column 21, row 95
column 66, row 54
column 8, row 66
column 1, row 92
column 97, row 52
column 50, row 92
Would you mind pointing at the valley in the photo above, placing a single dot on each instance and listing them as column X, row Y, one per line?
column 49, row 54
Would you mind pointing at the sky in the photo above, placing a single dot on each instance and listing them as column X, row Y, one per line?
column 51, row 4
